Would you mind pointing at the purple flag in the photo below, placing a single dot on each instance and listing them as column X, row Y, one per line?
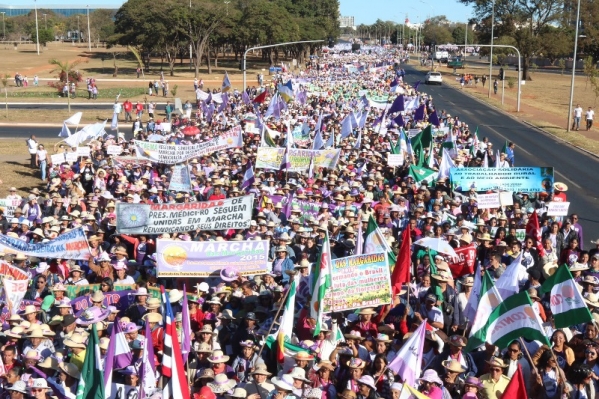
column 245, row 98
column 210, row 113
column 433, row 118
column 415, row 85
column 118, row 355
column 225, row 102
column 209, row 99
column 186, row 325
column 399, row 120
column 419, row 114
column 398, row 105
column 287, row 207
column 248, row 181
column 147, row 371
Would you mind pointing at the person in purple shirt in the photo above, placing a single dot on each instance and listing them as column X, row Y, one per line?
column 578, row 228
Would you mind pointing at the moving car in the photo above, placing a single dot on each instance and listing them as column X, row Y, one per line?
column 433, row 77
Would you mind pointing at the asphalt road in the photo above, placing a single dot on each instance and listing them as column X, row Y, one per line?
column 74, row 106
column 533, row 148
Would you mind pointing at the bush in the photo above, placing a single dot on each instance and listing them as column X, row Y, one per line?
column 174, row 90
column 511, row 82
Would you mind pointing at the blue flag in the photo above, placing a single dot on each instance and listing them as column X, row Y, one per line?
column 398, row 105
column 346, row 127
column 419, row 114
column 318, row 142
column 433, row 118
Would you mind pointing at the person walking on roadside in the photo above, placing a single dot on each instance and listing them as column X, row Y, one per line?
column 32, row 147
column 589, row 117
column 128, row 107
column 577, row 117
column 484, row 80
column 495, row 85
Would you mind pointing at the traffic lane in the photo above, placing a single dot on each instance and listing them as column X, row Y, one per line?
column 41, row 132
column 533, row 148
column 60, row 106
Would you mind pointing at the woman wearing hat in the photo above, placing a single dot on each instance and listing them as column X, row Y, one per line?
column 320, row 376
column 282, row 264
column 461, row 300
column 431, row 385
column 453, row 351
column 549, row 381
column 383, row 376
column 244, row 362
column 260, row 382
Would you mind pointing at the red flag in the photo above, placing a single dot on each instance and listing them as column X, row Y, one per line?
column 516, row 388
column 401, row 272
column 260, row 98
column 533, row 230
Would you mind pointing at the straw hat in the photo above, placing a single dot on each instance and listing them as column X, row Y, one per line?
column 18, row 386
column 496, row 362
column 367, row 311
column 70, row 369
column 153, row 303
column 218, row 357
column 29, row 309
column 174, row 295
column 559, row 186
column 285, row 382
column 261, row 370
column 152, row 317
column 221, row 384
column 453, row 365
column 303, row 355
column 356, row 363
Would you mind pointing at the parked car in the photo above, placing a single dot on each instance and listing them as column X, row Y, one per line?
column 433, row 77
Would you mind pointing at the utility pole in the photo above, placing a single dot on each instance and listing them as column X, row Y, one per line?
column 573, row 68
column 45, row 21
column 89, row 38
column 78, row 31
column 37, row 32
column 3, row 26
column 491, row 56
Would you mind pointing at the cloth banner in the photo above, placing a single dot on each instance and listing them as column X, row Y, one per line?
column 180, row 179
column 9, row 206
column 14, row 292
column 300, row 159
column 531, row 180
column 119, row 299
column 114, row 150
column 269, row 158
column 207, row 258
column 70, row 245
column 124, row 161
column 172, row 154
column 13, row 272
column 486, row 201
column 300, row 137
column 359, row 281
column 57, row 159
column 232, row 213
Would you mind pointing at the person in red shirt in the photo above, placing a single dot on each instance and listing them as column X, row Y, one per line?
column 128, row 107
column 66, row 174
column 559, row 194
column 157, row 332
column 139, row 109
column 216, row 194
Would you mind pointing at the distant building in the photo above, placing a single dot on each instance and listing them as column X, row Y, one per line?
column 347, row 22
column 67, row 11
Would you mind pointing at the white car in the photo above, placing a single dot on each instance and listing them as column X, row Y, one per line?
column 433, row 77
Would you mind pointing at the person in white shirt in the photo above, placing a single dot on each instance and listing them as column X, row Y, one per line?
column 589, row 117
column 32, row 147
column 577, row 117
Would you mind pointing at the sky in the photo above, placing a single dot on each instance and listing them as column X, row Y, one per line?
column 368, row 11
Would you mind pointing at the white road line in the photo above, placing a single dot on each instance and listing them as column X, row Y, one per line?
column 505, row 138
column 565, row 178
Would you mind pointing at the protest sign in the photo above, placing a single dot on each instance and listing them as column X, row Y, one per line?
column 299, row 160
column 114, row 150
column 119, row 299
column 71, row 156
column 13, row 272
column 84, row 151
column 232, row 213
column 520, row 234
column 326, row 158
column 124, row 161
column 57, row 159
column 207, row 258
column 486, row 201
column 359, row 281
column 462, row 264
column 395, row 159
column 122, row 391
column 506, row 198
column 9, row 206
column 70, row 245
column 557, row 208
column 250, row 127
column 269, row 158
column 180, row 179
column 14, row 292
column 301, row 137
column 531, row 180
column 172, row 154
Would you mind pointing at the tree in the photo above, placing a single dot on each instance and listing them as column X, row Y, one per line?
column 200, row 21
column 66, row 74
column 46, row 35
column 525, row 19
column 101, row 25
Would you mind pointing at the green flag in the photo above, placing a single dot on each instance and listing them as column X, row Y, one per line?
column 567, row 304
column 421, row 141
column 504, row 148
column 322, row 282
column 91, row 383
column 374, row 241
column 434, row 283
column 419, row 174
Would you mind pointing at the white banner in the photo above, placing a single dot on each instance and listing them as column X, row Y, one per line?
column 14, row 291
column 558, row 208
column 122, row 391
column 171, row 154
column 9, row 206
column 114, row 150
column 70, row 245
column 506, row 198
column 83, row 151
column 232, row 213
column 57, row 159
column 486, row 201
column 71, row 157
column 395, row 159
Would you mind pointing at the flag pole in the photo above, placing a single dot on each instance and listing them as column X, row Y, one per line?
column 284, row 300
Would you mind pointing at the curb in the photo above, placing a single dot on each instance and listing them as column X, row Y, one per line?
column 527, row 123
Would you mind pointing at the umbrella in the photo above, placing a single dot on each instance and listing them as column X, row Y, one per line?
column 191, row 130
column 437, row 244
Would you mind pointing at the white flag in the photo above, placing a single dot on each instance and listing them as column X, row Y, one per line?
column 65, row 131
column 515, row 275
column 114, row 125
column 75, row 119
column 15, row 291
column 408, row 362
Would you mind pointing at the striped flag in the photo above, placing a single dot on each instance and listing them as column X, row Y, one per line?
column 321, row 281
column 118, row 355
column 286, row 328
column 92, row 376
column 172, row 362
column 147, row 371
column 226, row 86
column 408, row 361
column 248, row 180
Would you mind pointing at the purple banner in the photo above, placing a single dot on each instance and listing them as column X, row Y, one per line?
column 119, row 299
column 208, row 258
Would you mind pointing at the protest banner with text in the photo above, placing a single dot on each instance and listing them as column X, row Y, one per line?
column 70, row 245
column 269, row 158
column 207, row 258
column 528, row 180
column 232, row 213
